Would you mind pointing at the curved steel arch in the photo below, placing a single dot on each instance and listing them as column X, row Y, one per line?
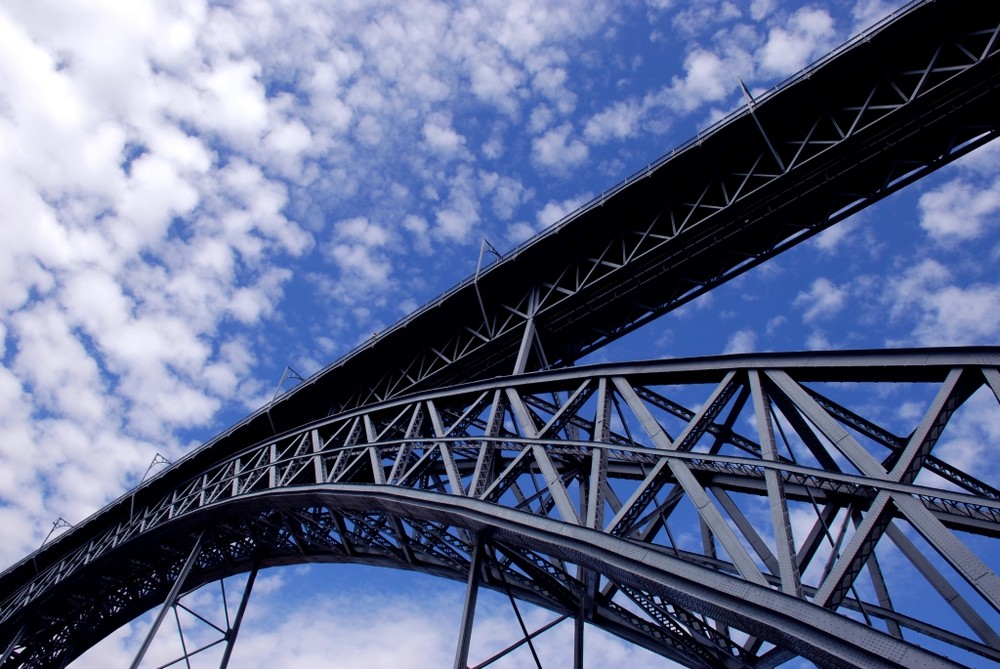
column 584, row 470
column 582, row 485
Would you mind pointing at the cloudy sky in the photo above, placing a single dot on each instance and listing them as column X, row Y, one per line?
column 198, row 194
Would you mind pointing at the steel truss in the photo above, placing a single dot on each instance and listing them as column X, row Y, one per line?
column 722, row 512
column 883, row 111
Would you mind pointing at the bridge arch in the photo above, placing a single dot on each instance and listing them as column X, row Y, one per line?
column 562, row 487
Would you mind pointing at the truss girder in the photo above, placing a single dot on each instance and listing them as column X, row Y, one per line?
column 878, row 114
column 723, row 512
column 703, row 441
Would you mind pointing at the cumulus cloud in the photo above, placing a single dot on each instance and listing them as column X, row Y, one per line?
column 832, row 238
column 557, row 151
column 506, row 193
column 418, row 228
column 440, row 137
column 867, row 12
column 234, row 105
column 701, row 16
column 966, row 444
column 177, row 177
column 759, row 9
column 959, row 316
column 808, row 34
column 457, row 218
column 741, row 341
column 352, row 624
column 941, row 312
column 356, row 249
column 959, row 210
column 553, row 212
column 823, row 300
column 707, row 78
column 619, row 121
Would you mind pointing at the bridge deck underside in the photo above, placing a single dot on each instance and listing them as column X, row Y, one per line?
column 872, row 118
column 612, row 453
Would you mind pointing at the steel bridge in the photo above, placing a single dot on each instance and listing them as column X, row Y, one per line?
column 634, row 497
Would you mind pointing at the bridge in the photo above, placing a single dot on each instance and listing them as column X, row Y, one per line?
column 464, row 443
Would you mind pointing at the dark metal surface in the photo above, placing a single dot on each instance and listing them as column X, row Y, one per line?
column 582, row 483
column 350, row 466
column 881, row 112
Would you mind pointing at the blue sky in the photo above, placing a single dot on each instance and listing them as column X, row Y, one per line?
column 199, row 194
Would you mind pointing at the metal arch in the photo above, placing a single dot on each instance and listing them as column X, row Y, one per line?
column 572, row 463
column 518, row 463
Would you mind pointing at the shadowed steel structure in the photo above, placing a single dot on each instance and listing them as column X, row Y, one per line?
column 631, row 497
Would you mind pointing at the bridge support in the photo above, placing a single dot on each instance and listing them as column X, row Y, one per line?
column 171, row 600
column 469, row 610
column 234, row 630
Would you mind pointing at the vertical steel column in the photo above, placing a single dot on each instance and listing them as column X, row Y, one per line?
column 234, row 631
column 469, row 611
column 527, row 341
column 170, row 601
column 578, row 640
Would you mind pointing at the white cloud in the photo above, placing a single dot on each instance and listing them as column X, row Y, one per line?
column 57, row 365
column 520, row 231
column 507, row 193
column 938, row 311
column 555, row 211
column 959, row 210
column 357, row 249
column 841, row 234
column 707, row 78
column 496, row 84
column 440, row 136
column 983, row 162
column 172, row 171
column 619, row 121
column 369, row 130
column 867, row 12
column 954, row 316
column 248, row 304
column 551, row 82
column 741, row 341
column 493, row 147
column 556, row 151
column 822, row 301
column 775, row 324
column 808, row 34
column 418, row 227
column 912, row 286
column 155, row 194
column 287, row 143
column 759, row 9
column 346, row 622
column 460, row 214
column 234, row 104
column 701, row 16
column 541, row 117
column 966, row 444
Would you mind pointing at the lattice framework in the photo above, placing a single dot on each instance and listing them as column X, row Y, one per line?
column 580, row 485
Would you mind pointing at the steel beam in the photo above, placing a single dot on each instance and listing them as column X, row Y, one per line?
column 171, row 600
column 526, row 441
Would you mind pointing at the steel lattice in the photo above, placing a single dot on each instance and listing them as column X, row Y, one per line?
column 721, row 512
column 583, row 485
